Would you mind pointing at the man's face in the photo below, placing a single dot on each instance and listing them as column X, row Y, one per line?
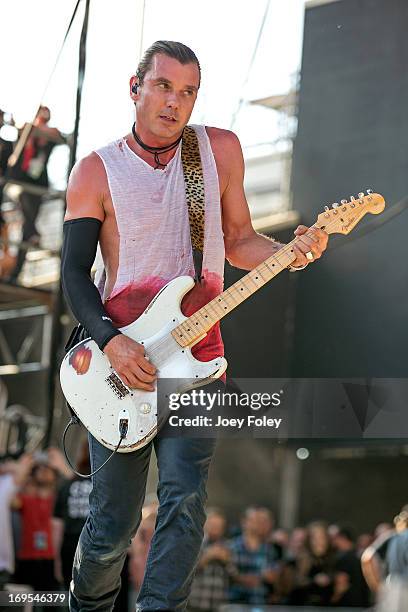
column 166, row 98
column 44, row 475
column 258, row 522
column 297, row 539
column 214, row 526
column 265, row 523
column 43, row 116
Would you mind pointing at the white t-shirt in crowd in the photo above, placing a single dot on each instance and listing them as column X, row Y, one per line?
column 8, row 489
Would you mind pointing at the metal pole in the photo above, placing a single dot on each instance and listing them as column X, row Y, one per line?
column 59, row 303
column 290, row 489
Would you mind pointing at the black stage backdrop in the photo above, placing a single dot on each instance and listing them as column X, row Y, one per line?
column 353, row 134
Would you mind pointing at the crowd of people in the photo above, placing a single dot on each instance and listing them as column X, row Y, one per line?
column 43, row 507
column 317, row 565
column 35, row 517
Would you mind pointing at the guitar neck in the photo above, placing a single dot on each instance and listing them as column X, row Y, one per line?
column 196, row 326
column 341, row 219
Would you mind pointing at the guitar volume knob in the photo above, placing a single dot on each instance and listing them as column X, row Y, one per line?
column 145, row 408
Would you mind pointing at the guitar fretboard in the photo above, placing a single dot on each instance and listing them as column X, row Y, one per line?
column 196, row 326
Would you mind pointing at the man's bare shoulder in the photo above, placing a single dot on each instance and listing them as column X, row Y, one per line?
column 89, row 169
column 227, row 153
column 87, row 188
column 223, row 139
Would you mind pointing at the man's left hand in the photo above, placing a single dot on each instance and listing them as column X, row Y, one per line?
column 309, row 248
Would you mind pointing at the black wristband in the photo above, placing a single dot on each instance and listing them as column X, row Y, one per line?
column 103, row 343
column 78, row 254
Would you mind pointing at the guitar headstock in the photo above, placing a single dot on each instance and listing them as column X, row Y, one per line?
column 343, row 217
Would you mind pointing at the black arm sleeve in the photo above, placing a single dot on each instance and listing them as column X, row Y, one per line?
column 78, row 254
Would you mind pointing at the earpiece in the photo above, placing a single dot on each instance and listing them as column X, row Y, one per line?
column 135, row 88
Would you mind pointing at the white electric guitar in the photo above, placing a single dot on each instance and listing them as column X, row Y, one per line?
column 100, row 399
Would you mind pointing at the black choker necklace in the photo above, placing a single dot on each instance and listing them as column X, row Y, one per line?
column 156, row 151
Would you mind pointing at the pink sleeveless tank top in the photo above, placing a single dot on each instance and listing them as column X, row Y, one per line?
column 154, row 235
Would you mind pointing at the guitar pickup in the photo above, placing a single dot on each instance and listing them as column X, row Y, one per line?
column 117, row 386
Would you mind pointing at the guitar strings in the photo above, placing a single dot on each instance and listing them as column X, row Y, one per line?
column 154, row 351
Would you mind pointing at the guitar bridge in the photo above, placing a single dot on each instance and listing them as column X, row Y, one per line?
column 117, row 385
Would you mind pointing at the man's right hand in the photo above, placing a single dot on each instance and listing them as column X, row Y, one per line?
column 127, row 358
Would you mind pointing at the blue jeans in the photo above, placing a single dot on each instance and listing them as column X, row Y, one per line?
column 116, row 503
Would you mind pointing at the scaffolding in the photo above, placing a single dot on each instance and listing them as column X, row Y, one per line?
column 32, row 309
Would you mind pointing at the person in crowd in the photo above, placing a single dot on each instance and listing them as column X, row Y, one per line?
column 277, row 539
column 315, row 568
column 69, row 516
column 349, row 589
column 255, row 561
column 293, row 544
column 333, row 530
column 387, row 556
column 35, row 557
column 397, row 550
column 296, row 543
column 7, row 260
column 280, row 539
column 383, row 529
column 364, row 540
column 393, row 594
column 56, row 460
column 140, row 545
column 70, row 512
column 266, row 525
column 6, row 149
column 30, row 168
column 211, row 582
column 13, row 475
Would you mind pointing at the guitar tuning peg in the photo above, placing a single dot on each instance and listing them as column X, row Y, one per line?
column 352, row 198
column 335, row 205
column 326, row 208
column 343, row 201
column 361, row 194
column 369, row 191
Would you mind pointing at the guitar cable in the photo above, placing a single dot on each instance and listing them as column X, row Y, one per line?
column 393, row 212
column 123, row 429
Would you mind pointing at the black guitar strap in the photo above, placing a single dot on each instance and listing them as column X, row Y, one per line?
column 195, row 195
